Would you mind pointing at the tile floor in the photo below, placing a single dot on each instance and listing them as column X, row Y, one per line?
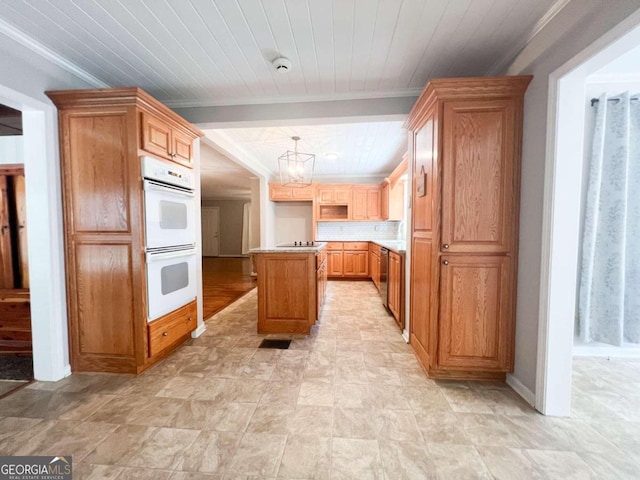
column 348, row 402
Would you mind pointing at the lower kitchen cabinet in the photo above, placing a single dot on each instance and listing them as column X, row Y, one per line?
column 355, row 264
column 374, row 264
column 396, row 287
column 172, row 329
column 348, row 259
column 321, row 280
column 334, row 264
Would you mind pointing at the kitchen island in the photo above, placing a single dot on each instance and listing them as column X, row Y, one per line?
column 291, row 287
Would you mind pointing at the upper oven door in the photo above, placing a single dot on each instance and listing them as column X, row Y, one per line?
column 169, row 216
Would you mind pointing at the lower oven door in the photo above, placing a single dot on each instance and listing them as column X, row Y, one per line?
column 171, row 281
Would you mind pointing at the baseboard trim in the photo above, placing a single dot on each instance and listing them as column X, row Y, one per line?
column 199, row 331
column 67, row 370
column 521, row 390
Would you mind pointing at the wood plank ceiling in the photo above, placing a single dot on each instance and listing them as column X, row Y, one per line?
column 206, row 52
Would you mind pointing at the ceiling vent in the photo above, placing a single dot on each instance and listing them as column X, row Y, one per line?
column 282, row 64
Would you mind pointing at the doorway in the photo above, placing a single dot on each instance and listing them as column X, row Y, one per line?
column 210, row 231
column 16, row 360
column 561, row 229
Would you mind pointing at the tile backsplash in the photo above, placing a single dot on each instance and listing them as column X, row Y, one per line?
column 357, row 231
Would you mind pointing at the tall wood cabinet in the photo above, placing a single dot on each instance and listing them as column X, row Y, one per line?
column 103, row 133
column 465, row 149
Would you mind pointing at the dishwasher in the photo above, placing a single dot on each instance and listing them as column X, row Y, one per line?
column 384, row 281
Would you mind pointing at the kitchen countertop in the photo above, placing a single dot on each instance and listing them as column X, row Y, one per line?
column 275, row 249
column 398, row 246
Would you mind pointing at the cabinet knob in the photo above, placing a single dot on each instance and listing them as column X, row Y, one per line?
column 446, row 262
column 189, row 319
column 164, row 334
column 445, row 246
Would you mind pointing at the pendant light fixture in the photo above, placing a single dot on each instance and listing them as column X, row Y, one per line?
column 296, row 168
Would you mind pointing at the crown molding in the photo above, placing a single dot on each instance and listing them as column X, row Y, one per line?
column 499, row 66
column 35, row 46
column 325, row 97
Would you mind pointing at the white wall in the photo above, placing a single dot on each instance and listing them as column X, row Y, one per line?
column 11, row 149
column 24, row 77
column 293, row 221
column 573, row 29
column 255, row 212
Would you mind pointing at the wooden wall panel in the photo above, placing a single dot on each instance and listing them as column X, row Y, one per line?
column 105, row 315
column 421, row 254
column 97, row 171
column 425, row 145
column 286, row 284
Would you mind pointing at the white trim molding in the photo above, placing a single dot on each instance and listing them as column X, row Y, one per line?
column 499, row 66
column 45, row 52
column 521, row 390
column 200, row 330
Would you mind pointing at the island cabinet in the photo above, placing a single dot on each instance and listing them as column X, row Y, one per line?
column 321, row 280
column 374, row 263
column 288, row 289
column 464, row 151
column 103, row 134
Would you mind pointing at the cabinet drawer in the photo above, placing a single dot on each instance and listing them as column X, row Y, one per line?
column 335, row 246
column 359, row 246
column 166, row 331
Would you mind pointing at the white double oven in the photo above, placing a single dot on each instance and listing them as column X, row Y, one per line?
column 170, row 236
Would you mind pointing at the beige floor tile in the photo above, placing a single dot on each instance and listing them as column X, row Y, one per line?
column 121, row 445
column 86, row 471
column 193, row 414
column 355, row 458
column 179, row 387
column 195, row 476
column 311, row 420
column 460, row 462
column 271, row 418
column 562, row 465
column 488, row 430
column 210, row 452
column 306, row 456
column 406, row 461
column 232, row 417
column 441, row 427
column 258, row 454
column 14, row 431
column 355, row 423
column 510, row 463
column 352, row 395
column 164, row 448
column 312, row 393
column 281, row 393
column 144, row 474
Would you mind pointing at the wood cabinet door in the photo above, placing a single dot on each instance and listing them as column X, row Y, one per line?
column 356, row 264
column 422, row 300
column 395, row 284
column 326, row 195
column 6, row 263
column 478, row 176
column 342, row 195
column 182, row 148
column 374, row 204
column 475, row 312
column 21, row 221
column 278, row 193
column 384, row 201
column 302, row 193
column 156, row 136
column 334, row 264
column 359, row 204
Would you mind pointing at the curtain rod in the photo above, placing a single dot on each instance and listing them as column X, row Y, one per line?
column 596, row 100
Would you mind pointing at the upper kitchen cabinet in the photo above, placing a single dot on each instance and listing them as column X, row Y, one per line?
column 333, row 194
column 366, row 203
column 166, row 139
column 464, row 152
column 283, row 193
column 103, row 134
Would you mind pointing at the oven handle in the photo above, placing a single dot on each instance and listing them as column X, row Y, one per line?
column 154, row 256
column 159, row 187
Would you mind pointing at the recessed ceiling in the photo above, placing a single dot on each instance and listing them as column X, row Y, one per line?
column 196, row 52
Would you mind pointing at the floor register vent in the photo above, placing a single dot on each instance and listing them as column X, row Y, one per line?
column 274, row 343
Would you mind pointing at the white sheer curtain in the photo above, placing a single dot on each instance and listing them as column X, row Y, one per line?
column 609, row 304
column 246, row 228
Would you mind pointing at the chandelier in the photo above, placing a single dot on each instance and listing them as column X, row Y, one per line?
column 296, row 168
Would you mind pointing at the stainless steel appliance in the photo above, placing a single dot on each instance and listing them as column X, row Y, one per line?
column 384, row 268
column 170, row 236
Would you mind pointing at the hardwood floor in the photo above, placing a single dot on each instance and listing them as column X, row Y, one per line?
column 224, row 280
